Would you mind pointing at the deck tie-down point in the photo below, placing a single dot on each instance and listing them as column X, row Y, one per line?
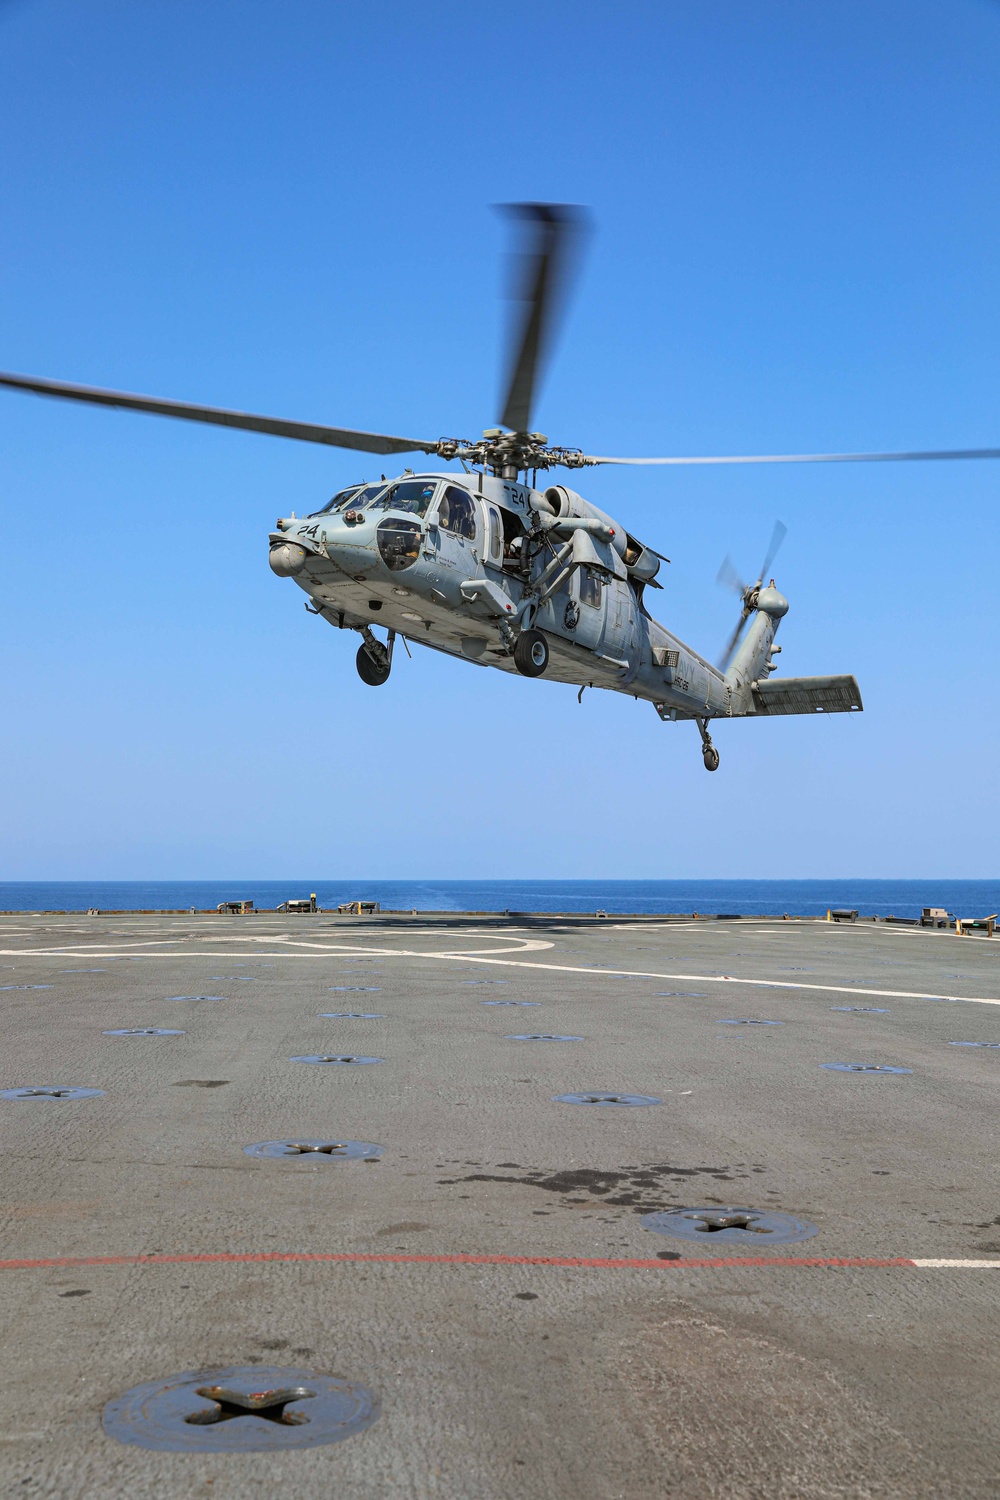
column 541, row 1036
column 730, row 1225
column 863, row 1068
column 331, row 1150
column 611, row 1100
column 240, row 1409
column 322, row 1058
column 712, row 1223
column 51, row 1093
column 230, row 1404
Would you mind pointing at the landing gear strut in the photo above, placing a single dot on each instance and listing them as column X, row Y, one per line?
column 374, row 661
column 709, row 754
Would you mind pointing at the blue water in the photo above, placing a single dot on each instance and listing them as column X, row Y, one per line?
column 900, row 898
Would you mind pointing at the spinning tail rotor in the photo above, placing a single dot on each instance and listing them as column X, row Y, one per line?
column 729, row 578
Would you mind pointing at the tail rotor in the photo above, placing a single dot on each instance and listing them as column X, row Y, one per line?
column 728, row 578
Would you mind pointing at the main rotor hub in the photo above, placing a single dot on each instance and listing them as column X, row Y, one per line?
column 507, row 454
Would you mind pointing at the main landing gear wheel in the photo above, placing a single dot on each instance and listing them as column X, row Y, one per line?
column 531, row 654
column 709, row 754
column 369, row 671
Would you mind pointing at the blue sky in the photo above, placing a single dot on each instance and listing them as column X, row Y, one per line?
column 286, row 208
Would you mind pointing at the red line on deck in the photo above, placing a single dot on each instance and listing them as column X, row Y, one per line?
column 304, row 1257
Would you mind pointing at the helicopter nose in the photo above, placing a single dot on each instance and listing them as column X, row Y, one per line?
column 287, row 559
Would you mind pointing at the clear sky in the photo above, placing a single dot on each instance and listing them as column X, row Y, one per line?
column 286, row 208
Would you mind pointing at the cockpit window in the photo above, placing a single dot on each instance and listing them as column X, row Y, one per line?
column 398, row 542
column 457, row 513
column 411, row 495
column 338, row 500
column 357, row 495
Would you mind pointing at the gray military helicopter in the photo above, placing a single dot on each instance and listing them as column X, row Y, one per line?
column 488, row 567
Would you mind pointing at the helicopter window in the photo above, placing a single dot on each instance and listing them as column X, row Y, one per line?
column 357, row 494
column 398, row 543
column 496, row 535
column 363, row 497
column 457, row 513
column 411, row 495
column 513, row 538
column 339, row 499
column 590, row 587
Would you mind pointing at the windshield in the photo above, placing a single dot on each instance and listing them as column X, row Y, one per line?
column 357, row 494
column 411, row 495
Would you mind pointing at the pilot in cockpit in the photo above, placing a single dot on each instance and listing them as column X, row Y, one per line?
column 410, row 495
column 407, row 498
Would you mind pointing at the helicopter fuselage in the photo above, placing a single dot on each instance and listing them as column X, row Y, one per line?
column 462, row 563
column 499, row 573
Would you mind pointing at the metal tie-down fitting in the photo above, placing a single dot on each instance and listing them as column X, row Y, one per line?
column 228, row 1403
column 329, row 1150
column 240, row 1409
column 610, row 1100
column 730, row 1225
column 334, row 1061
column 51, row 1093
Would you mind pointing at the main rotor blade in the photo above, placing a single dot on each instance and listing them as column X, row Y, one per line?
column 544, row 263
column 304, row 432
column 808, row 458
column 777, row 537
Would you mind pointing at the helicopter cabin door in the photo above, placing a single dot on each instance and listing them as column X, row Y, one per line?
column 458, row 532
column 493, row 540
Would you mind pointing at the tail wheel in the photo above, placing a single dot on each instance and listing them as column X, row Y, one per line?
column 711, row 758
column 369, row 671
column 531, row 654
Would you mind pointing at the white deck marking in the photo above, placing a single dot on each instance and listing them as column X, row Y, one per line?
column 962, row 1265
column 318, row 947
column 479, row 956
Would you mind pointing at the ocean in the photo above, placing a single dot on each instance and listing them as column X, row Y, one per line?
column 900, row 898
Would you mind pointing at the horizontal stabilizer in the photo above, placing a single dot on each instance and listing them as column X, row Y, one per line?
column 807, row 695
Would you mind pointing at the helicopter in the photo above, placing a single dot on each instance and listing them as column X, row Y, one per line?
column 490, row 568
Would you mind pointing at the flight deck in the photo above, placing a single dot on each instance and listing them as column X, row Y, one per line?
column 472, row 1206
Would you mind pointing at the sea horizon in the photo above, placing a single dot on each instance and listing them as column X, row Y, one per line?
column 811, row 897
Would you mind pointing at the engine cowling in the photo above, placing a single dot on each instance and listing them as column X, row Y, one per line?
column 563, row 502
column 642, row 564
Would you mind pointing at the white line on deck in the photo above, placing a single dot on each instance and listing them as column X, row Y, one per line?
column 477, row 956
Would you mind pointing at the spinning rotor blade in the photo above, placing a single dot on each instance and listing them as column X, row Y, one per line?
column 730, row 579
column 777, row 537
column 733, row 641
column 808, row 458
column 542, row 275
column 304, row 432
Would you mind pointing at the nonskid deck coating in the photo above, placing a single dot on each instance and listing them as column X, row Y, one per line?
column 489, row 1277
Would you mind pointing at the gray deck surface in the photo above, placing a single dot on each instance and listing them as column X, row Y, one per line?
column 506, row 1380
